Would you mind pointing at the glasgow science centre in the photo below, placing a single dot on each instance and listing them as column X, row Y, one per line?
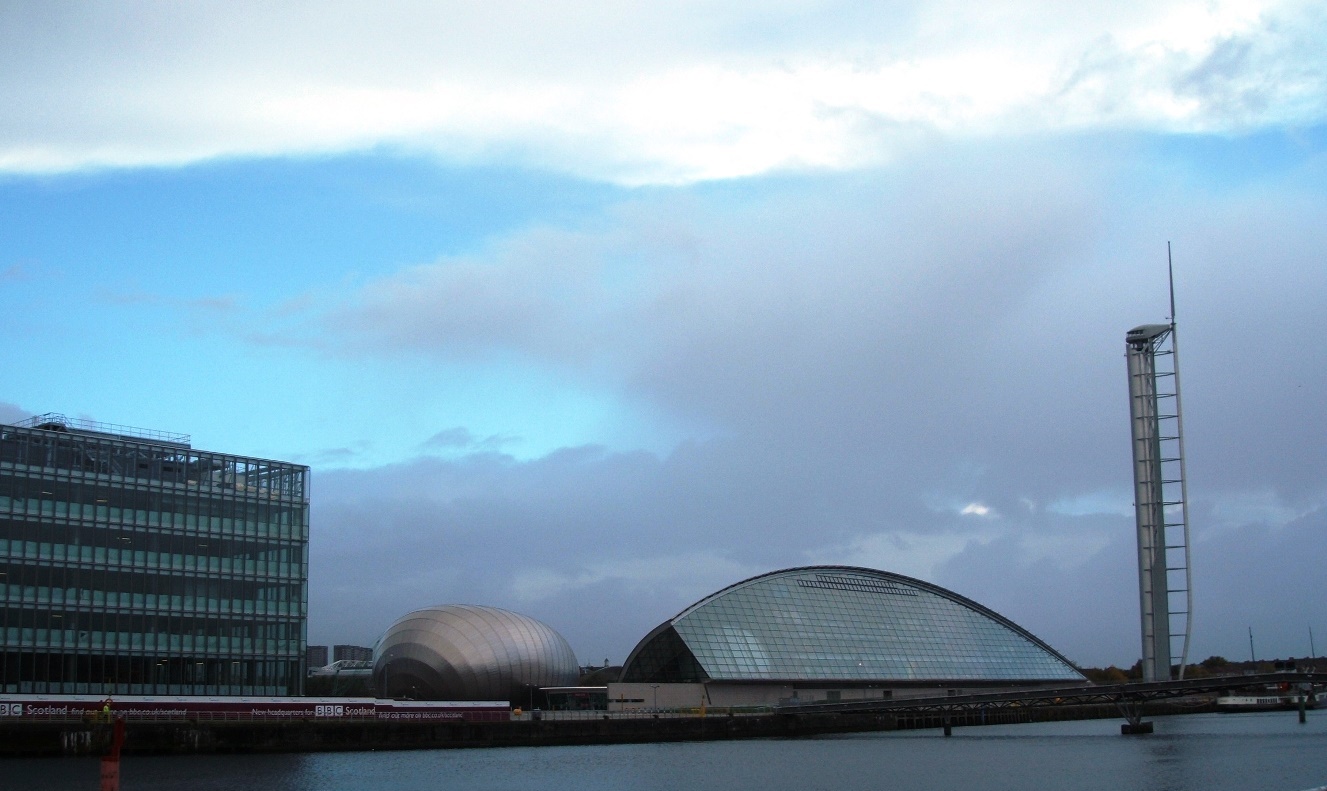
column 133, row 565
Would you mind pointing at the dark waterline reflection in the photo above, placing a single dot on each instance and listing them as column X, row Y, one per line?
column 1206, row 752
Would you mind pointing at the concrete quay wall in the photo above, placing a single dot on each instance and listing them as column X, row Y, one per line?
column 75, row 738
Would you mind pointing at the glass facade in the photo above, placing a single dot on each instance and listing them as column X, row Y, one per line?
column 842, row 624
column 131, row 563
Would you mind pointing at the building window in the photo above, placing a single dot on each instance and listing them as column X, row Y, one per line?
column 135, row 564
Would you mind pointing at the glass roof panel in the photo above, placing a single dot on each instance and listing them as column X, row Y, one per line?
column 855, row 624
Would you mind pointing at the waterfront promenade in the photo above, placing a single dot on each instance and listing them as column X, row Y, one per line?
column 230, row 734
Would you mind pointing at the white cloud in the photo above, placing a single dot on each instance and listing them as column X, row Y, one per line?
column 1117, row 502
column 1240, row 509
column 634, row 93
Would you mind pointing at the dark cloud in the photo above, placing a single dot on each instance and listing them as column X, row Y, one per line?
column 1255, row 575
column 920, row 370
column 606, row 546
column 460, row 438
column 1262, row 576
column 1076, row 596
column 12, row 413
column 586, row 539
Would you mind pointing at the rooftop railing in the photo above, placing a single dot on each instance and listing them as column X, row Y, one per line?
column 58, row 422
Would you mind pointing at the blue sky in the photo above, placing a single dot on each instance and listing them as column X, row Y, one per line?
column 120, row 270
column 590, row 315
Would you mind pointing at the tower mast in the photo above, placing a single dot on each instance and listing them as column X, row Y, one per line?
column 1160, row 493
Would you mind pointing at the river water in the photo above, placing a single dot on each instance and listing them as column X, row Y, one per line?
column 1201, row 752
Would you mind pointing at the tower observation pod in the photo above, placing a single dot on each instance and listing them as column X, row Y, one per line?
column 1160, row 497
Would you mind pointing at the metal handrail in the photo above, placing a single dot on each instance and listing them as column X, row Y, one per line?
column 64, row 421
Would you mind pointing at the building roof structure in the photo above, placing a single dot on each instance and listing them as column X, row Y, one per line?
column 845, row 625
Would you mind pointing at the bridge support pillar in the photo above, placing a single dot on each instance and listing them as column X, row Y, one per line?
column 1132, row 709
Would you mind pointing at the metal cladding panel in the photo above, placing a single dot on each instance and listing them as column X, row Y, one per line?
column 851, row 624
column 467, row 652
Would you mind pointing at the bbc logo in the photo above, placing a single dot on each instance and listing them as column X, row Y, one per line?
column 329, row 711
column 11, row 709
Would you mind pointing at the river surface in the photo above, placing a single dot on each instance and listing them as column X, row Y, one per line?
column 1201, row 752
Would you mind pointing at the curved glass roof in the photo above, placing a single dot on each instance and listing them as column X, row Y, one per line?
column 842, row 623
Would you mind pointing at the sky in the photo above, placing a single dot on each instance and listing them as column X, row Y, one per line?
column 587, row 310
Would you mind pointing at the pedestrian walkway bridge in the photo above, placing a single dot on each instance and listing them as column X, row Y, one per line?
column 1131, row 699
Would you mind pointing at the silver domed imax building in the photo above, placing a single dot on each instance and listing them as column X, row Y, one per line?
column 832, row 633
column 466, row 652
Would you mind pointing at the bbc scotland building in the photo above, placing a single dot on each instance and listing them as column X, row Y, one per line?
column 134, row 564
